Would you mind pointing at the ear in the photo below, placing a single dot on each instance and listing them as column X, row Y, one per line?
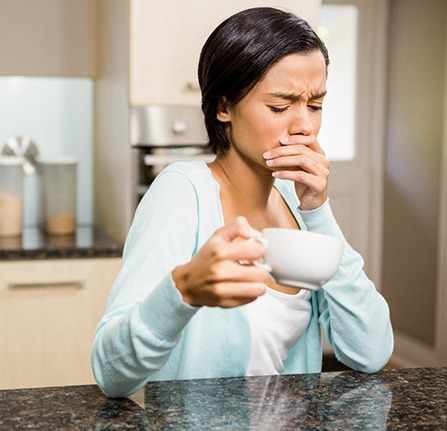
column 223, row 113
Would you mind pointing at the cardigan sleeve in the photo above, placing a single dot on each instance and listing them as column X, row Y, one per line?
column 353, row 314
column 145, row 313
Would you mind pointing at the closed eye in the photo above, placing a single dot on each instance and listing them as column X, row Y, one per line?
column 315, row 108
column 278, row 109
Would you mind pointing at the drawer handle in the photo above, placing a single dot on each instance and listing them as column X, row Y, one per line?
column 51, row 284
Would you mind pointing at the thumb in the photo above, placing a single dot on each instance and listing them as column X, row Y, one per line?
column 239, row 227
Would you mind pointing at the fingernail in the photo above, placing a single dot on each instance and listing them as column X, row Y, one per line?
column 285, row 140
column 267, row 154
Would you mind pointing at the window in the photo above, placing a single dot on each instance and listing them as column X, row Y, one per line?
column 338, row 29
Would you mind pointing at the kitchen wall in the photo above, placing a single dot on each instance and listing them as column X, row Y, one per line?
column 414, row 152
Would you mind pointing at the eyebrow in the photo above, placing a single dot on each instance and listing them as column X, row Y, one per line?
column 294, row 97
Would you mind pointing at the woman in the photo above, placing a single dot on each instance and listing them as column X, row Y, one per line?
column 184, row 306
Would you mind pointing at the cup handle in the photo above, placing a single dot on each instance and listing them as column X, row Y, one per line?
column 262, row 264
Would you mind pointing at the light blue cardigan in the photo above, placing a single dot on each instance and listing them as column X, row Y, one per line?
column 149, row 333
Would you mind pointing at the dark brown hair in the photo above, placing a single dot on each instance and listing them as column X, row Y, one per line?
column 240, row 51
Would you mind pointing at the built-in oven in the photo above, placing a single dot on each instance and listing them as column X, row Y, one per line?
column 161, row 135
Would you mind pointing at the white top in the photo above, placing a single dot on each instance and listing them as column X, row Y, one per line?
column 277, row 321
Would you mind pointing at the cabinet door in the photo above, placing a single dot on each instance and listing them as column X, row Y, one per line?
column 166, row 39
column 47, row 37
column 48, row 314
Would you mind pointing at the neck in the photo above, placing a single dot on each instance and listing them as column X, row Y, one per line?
column 247, row 190
column 250, row 184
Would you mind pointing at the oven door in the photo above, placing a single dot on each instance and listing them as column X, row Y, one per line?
column 153, row 160
column 161, row 135
column 167, row 126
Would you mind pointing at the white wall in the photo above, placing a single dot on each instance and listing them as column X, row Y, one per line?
column 414, row 151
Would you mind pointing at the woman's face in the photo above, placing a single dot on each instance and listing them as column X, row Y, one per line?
column 286, row 101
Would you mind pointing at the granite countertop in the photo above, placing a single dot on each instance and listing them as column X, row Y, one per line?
column 408, row 399
column 34, row 244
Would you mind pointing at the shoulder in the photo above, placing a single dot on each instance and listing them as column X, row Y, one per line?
column 181, row 182
column 193, row 175
column 192, row 169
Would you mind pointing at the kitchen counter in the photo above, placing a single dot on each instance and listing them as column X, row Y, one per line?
column 88, row 242
column 408, row 399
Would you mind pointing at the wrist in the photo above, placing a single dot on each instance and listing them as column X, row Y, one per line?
column 180, row 277
column 303, row 208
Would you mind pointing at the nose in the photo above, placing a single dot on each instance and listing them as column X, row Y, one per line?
column 301, row 123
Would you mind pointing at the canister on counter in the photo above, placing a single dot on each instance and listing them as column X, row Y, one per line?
column 11, row 196
column 59, row 189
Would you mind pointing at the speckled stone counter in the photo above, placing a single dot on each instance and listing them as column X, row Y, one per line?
column 411, row 399
column 34, row 244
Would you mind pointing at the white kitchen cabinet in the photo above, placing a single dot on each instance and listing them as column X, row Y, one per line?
column 47, row 37
column 49, row 310
column 166, row 39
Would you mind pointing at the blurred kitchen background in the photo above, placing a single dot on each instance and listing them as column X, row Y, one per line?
column 57, row 113
column 72, row 73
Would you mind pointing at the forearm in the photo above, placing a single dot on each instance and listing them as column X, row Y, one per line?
column 133, row 342
column 354, row 315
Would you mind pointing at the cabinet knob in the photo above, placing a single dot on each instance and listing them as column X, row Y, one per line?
column 192, row 86
column 179, row 128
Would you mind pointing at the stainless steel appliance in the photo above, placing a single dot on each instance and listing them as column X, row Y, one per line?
column 161, row 135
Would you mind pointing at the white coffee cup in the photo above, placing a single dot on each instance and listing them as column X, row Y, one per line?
column 299, row 258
